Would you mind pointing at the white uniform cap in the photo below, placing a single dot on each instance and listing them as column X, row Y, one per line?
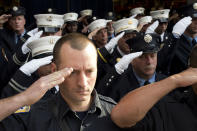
column 98, row 24
column 125, row 24
column 136, row 11
column 87, row 12
column 70, row 17
column 145, row 20
column 160, row 14
column 49, row 20
column 43, row 45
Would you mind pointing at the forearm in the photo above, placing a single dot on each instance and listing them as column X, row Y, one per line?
column 134, row 106
column 10, row 105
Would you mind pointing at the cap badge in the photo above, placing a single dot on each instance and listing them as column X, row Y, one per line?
column 130, row 22
column 162, row 12
column 147, row 38
column 195, row 6
column 52, row 41
column 49, row 18
column 15, row 8
column 49, row 10
column 110, row 14
column 71, row 15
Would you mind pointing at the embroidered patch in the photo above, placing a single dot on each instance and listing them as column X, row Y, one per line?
column 147, row 38
column 23, row 109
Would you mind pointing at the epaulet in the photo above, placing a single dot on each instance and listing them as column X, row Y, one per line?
column 107, row 99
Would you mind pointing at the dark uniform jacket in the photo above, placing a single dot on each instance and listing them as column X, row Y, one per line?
column 18, row 83
column 11, row 56
column 164, row 56
column 116, row 86
column 106, row 62
column 179, row 61
column 7, row 38
column 55, row 115
column 171, row 115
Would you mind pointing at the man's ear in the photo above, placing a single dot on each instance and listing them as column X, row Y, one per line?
column 53, row 67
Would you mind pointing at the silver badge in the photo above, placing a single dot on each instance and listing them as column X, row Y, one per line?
column 148, row 38
column 110, row 14
column 49, row 10
column 94, row 18
column 195, row 6
column 166, row 37
column 15, row 8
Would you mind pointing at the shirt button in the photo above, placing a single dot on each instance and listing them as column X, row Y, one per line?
column 109, row 80
column 107, row 84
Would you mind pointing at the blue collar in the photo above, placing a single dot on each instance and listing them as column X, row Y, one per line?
column 141, row 80
column 16, row 38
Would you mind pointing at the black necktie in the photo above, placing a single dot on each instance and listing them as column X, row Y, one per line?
column 146, row 83
column 18, row 38
column 193, row 42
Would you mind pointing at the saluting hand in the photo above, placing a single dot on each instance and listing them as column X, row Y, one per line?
column 4, row 18
column 151, row 28
column 180, row 27
column 31, row 66
column 37, row 90
column 113, row 42
column 124, row 62
column 34, row 36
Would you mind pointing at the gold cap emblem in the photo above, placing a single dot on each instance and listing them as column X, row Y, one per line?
column 50, row 18
column 147, row 38
column 52, row 41
column 130, row 22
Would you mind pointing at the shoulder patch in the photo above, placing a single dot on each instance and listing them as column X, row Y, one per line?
column 23, row 109
column 107, row 99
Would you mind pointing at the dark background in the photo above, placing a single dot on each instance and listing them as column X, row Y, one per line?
column 99, row 7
